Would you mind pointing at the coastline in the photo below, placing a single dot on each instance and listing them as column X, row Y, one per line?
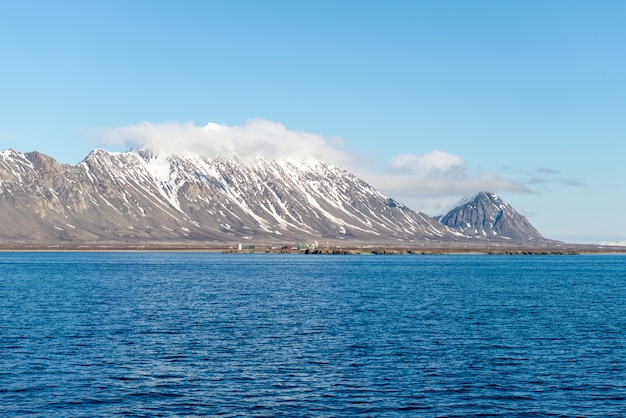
column 344, row 249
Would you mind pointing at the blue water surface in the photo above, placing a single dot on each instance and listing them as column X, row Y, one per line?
column 197, row 334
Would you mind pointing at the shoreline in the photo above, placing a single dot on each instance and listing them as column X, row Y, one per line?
column 369, row 249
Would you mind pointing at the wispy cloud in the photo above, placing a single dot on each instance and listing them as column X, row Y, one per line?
column 545, row 176
column 431, row 183
column 435, row 181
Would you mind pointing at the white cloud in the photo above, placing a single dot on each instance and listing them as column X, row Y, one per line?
column 435, row 181
column 431, row 183
column 257, row 137
column 435, row 162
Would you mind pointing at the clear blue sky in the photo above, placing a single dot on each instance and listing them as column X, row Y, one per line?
column 530, row 93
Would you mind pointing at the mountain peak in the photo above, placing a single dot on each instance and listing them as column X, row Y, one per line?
column 485, row 215
column 481, row 196
column 97, row 153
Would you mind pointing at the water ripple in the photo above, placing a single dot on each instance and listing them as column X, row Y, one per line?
column 204, row 335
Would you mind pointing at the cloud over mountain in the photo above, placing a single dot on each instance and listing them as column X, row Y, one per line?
column 435, row 181
column 431, row 182
column 257, row 137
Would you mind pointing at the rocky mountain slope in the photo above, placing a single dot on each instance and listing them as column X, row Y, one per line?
column 487, row 216
column 137, row 197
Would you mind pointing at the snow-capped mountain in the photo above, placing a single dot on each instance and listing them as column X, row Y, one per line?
column 487, row 216
column 138, row 196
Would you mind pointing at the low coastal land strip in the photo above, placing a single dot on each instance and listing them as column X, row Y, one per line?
column 554, row 248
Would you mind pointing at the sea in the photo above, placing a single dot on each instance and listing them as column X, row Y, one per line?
column 171, row 334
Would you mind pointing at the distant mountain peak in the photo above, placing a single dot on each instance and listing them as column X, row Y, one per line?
column 481, row 196
column 485, row 215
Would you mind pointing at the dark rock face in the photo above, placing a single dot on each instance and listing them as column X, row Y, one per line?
column 486, row 216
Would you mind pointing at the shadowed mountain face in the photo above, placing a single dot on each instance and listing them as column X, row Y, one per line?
column 141, row 197
column 487, row 216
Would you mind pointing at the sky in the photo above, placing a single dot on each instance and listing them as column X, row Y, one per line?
column 428, row 101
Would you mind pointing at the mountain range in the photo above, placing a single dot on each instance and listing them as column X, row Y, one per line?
column 141, row 197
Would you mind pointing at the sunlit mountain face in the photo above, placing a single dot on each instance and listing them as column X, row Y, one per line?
column 142, row 196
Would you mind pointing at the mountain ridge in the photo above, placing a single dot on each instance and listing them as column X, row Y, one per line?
column 140, row 196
